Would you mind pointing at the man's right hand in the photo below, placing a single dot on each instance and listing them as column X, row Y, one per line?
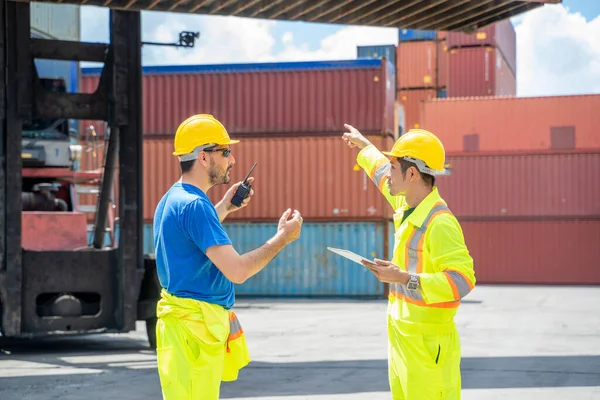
column 354, row 138
column 290, row 229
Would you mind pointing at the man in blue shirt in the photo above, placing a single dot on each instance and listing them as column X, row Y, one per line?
column 197, row 265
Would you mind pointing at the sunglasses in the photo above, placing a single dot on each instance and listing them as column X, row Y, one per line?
column 225, row 152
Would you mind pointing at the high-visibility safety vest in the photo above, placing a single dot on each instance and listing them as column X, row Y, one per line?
column 430, row 243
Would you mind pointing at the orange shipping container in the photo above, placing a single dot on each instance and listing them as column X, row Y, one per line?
column 479, row 71
column 514, row 123
column 412, row 100
column 318, row 176
column 416, row 64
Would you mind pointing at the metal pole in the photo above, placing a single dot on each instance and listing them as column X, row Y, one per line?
column 108, row 178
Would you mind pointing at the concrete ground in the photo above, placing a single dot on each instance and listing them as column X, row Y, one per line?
column 518, row 343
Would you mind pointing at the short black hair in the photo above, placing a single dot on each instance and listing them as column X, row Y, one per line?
column 186, row 166
column 405, row 165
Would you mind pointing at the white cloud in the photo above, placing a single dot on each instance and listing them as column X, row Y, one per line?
column 234, row 40
column 558, row 53
column 287, row 38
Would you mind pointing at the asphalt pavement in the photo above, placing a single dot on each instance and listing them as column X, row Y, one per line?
column 518, row 343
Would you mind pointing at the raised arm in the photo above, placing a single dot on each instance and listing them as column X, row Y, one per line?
column 373, row 162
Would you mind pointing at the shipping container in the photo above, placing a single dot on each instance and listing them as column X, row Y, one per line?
column 501, row 35
column 306, row 267
column 515, row 123
column 406, row 35
column 563, row 252
column 60, row 21
column 412, row 101
column 479, row 71
column 534, row 186
column 416, row 64
column 318, row 176
column 442, row 66
column 308, row 98
column 377, row 51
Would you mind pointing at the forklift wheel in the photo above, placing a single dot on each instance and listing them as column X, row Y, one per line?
column 151, row 332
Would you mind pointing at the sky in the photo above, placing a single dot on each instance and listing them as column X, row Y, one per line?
column 558, row 46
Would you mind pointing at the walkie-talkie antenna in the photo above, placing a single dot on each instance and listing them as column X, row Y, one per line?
column 251, row 169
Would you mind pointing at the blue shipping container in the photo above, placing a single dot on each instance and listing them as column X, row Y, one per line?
column 387, row 51
column 442, row 93
column 306, row 267
column 415, row 34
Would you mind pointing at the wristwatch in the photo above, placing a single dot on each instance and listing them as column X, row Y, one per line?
column 413, row 282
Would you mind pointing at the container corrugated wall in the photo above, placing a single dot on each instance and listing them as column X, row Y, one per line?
column 416, row 64
column 474, row 71
column 299, row 98
column 529, row 186
column 515, row 124
column 318, row 176
column 306, row 267
column 412, row 101
column 443, row 68
column 540, row 252
column 501, row 35
column 505, row 79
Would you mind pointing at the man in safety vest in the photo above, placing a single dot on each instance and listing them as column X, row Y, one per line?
column 431, row 270
column 199, row 340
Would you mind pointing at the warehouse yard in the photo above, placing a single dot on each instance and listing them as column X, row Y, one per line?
column 518, row 342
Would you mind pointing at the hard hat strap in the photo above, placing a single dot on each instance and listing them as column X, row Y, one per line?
column 422, row 166
column 194, row 154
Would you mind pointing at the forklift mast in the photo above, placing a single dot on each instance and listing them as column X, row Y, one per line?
column 104, row 282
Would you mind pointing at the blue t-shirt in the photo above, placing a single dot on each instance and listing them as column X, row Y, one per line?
column 186, row 223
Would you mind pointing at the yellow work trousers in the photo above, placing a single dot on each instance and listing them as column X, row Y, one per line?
column 423, row 361
column 195, row 350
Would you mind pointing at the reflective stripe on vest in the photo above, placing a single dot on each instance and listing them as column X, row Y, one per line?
column 379, row 172
column 414, row 263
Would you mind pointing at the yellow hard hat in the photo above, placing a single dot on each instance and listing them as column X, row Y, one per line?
column 422, row 148
column 199, row 132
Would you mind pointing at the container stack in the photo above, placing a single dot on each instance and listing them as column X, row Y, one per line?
column 421, row 69
column 483, row 63
column 525, row 184
column 289, row 117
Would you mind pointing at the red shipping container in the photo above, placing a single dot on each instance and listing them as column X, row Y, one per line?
column 318, row 176
column 443, row 72
column 515, row 124
column 562, row 252
column 308, row 98
column 501, row 35
column 416, row 64
column 506, row 186
column 412, row 101
column 479, row 71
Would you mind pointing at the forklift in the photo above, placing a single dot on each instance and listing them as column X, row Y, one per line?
column 58, row 276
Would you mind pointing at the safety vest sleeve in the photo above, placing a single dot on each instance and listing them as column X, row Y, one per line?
column 453, row 277
column 377, row 166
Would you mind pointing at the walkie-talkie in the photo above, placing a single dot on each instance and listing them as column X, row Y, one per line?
column 243, row 190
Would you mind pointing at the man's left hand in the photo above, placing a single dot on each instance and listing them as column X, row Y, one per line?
column 226, row 201
column 387, row 272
